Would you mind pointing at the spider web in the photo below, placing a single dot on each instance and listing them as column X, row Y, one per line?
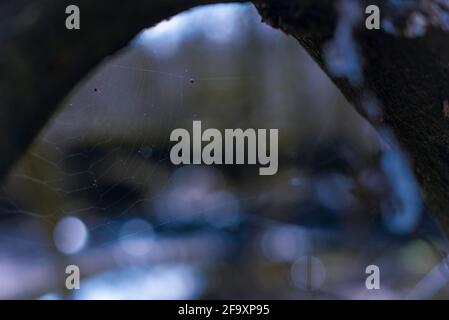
column 103, row 161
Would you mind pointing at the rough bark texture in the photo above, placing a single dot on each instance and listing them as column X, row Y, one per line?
column 40, row 61
column 410, row 77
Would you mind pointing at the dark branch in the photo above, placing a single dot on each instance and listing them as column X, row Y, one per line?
column 41, row 61
column 409, row 77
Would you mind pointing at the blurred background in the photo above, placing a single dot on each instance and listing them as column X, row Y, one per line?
column 97, row 188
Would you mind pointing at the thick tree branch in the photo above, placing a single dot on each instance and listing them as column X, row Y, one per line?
column 41, row 61
column 409, row 77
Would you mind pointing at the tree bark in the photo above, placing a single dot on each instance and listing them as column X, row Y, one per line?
column 409, row 77
column 41, row 61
